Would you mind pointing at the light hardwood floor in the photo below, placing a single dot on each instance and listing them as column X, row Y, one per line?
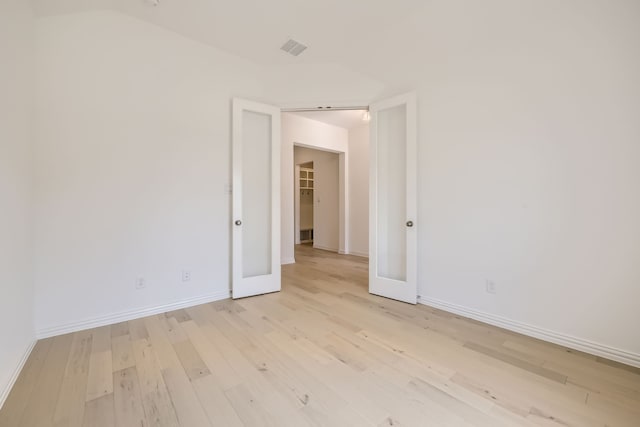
column 321, row 352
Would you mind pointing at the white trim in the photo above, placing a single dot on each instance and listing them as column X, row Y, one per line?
column 343, row 200
column 559, row 338
column 360, row 254
column 124, row 316
column 286, row 261
column 313, row 106
column 325, row 248
column 16, row 372
column 296, row 203
column 343, row 196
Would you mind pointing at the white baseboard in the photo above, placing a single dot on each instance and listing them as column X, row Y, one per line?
column 285, row 261
column 127, row 315
column 622, row 356
column 324, row 248
column 16, row 372
column 360, row 254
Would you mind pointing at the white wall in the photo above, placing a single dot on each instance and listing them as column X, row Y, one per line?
column 359, row 190
column 528, row 155
column 16, row 100
column 326, row 201
column 312, row 84
column 309, row 133
column 529, row 147
column 133, row 154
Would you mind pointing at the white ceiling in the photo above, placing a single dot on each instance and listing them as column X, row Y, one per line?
column 397, row 44
column 351, row 33
column 347, row 119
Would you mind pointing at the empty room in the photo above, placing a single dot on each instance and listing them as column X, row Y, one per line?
column 327, row 213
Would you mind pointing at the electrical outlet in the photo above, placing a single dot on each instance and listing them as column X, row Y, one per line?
column 186, row 275
column 491, row 286
column 140, row 283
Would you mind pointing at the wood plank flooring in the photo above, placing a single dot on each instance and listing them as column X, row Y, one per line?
column 321, row 352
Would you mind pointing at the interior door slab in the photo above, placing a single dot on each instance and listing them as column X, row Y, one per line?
column 256, row 199
column 393, row 199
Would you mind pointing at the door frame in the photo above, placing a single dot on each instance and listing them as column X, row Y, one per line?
column 343, row 196
column 288, row 180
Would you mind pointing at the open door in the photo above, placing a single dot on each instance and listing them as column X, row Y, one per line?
column 393, row 199
column 256, row 199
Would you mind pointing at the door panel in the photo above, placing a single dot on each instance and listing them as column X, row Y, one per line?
column 393, row 244
column 392, row 204
column 256, row 199
column 256, row 194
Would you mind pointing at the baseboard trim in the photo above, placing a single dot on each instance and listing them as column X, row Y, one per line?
column 128, row 315
column 286, row 261
column 360, row 254
column 597, row 349
column 324, row 248
column 16, row 373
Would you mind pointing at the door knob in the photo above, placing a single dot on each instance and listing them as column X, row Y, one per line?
column 238, row 222
column 409, row 223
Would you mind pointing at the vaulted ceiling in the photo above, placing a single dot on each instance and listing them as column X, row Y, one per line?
column 359, row 34
column 397, row 44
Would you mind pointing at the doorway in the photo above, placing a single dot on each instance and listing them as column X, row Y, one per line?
column 305, row 200
column 391, row 190
column 317, row 204
column 340, row 184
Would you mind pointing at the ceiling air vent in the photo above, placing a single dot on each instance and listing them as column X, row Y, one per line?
column 293, row 47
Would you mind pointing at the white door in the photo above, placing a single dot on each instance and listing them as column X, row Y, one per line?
column 393, row 199
column 256, row 199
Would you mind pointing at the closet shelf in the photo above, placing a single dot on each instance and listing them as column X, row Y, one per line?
column 306, row 179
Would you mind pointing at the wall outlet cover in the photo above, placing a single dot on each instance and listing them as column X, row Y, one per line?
column 186, row 275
